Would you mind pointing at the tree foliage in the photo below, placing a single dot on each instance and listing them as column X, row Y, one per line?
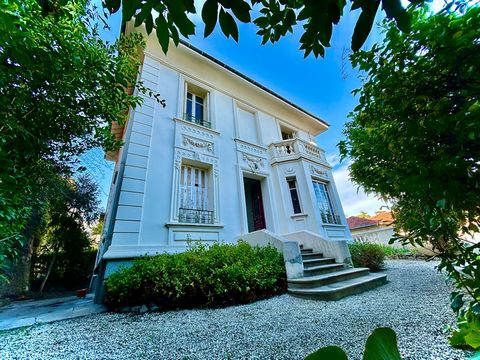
column 66, row 218
column 276, row 18
column 414, row 138
column 61, row 88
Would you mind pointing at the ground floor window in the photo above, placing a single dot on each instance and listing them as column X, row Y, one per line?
column 292, row 186
column 194, row 196
column 324, row 203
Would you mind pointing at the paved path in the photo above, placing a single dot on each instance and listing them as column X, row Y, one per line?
column 30, row 312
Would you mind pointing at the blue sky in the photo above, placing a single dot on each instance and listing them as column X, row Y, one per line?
column 321, row 86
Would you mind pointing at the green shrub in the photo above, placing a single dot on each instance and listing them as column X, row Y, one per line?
column 367, row 255
column 395, row 252
column 220, row 275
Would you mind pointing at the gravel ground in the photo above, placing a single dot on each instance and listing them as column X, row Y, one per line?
column 414, row 303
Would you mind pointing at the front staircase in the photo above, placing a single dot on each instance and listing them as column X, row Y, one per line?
column 323, row 279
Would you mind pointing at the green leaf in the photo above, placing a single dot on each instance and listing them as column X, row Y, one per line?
column 364, row 24
column 475, row 356
column 328, row 353
column 228, row 25
column 394, row 9
column 129, row 7
column 112, row 5
column 144, row 12
column 149, row 23
column 241, row 10
column 456, row 301
column 382, row 345
column 162, row 32
column 209, row 16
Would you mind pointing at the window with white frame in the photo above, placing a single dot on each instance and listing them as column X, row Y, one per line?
column 194, row 195
column 324, row 203
column 292, row 187
column 196, row 102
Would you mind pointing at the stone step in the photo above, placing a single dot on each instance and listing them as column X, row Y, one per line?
column 306, row 251
column 322, row 269
column 314, row 262
column 308, row 282
column 312, row 255
column 338, row 290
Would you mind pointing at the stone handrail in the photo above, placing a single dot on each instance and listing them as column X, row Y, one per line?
column 337, row 249
column 289, row 248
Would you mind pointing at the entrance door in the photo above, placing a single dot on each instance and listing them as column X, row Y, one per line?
column 254, row 204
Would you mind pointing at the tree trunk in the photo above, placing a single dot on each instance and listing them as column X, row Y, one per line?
column 50, row 267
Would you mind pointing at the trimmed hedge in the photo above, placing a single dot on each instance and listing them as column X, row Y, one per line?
column 367, row 255
column 220, row 275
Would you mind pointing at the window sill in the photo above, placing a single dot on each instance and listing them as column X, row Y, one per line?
column 180, row 120
column 181, row 224
column 333, row 225
column 298, row 215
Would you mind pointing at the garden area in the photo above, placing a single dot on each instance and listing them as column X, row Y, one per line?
column 412, row 139
column 414, row 303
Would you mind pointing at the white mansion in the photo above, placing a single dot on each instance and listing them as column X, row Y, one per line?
column 226, row 157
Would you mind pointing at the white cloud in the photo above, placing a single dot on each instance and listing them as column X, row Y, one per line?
column 354, row 199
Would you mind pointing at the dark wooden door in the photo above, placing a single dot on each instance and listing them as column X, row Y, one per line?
column 257, row 207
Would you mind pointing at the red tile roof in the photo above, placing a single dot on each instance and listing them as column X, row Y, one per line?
column 384, row 217
column 355, row 222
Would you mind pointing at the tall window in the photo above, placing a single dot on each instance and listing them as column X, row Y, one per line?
column 196, row 105
column 194, row 204
column 324, row 203
column 292, row 186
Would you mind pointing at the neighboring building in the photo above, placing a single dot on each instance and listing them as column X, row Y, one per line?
column 376, row 229
column 226, row 157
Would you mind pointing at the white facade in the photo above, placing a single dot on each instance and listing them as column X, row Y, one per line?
column 202, row 167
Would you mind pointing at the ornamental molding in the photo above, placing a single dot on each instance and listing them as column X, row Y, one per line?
column 197, row 143
column 195, row 155
column 251, row 149
column 289, row 171
column 253, row 162
column 318, row 172
column 197, row 132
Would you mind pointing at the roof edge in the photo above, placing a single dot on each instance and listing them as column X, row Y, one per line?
column 253, row 82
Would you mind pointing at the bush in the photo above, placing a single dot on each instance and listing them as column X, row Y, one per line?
column 367, row 255
column 219, row 275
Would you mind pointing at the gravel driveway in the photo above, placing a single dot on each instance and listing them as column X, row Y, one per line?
column 414, row 303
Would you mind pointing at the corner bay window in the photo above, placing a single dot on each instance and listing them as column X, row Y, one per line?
column 324, row 203
column 292, row 186
column 194, row 196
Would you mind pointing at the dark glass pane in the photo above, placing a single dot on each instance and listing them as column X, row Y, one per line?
column 199, row 111
column 295, row 201
column 189, row 104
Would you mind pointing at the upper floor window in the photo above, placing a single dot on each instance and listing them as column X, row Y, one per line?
column 324, row 203
column 287, row 133
column 292, row 186
column 194, row 196
column 196, row 105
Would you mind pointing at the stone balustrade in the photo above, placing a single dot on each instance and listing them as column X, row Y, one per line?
column 295, row 148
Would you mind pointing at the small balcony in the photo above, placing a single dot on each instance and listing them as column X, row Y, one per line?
column 195, row 216
column 293, row 149
column 197, row 120
column 328, row 218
